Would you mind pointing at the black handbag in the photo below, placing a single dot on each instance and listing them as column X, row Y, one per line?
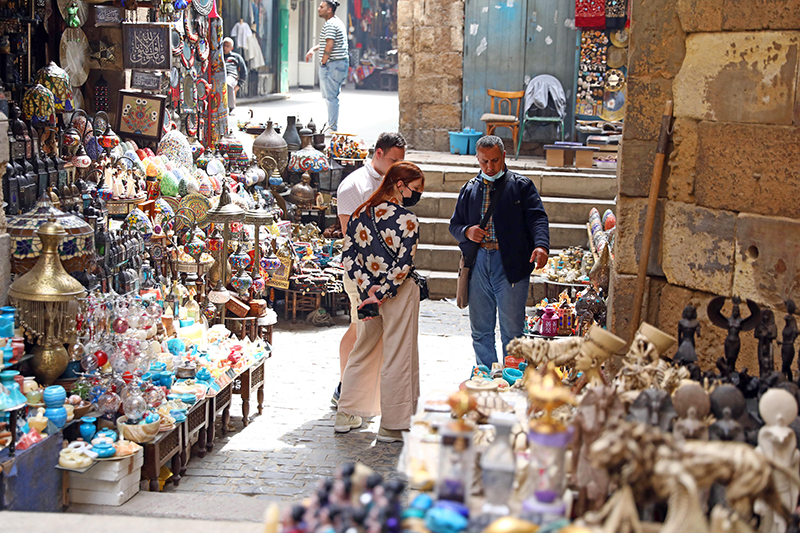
column 421, row 281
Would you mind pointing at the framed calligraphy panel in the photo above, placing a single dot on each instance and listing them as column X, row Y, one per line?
column 108, row 16
column 147, row 46
column 146, row 81
column 140, row 116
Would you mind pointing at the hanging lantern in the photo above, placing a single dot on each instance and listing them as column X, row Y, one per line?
column 81, row 159
column 38, row 106
column 109, row 139
column 57, row 81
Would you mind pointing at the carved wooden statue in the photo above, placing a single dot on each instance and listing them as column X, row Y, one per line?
column 692, row 404
column 777, row 442
column 787, row 340
column 766, row 332
column 735, row 324
column 688, row 327
column 600, row 408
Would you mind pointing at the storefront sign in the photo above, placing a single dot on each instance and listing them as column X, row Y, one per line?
column 147, row 46
column 146, row 81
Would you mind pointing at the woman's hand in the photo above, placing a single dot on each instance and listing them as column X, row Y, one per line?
column 372, row 299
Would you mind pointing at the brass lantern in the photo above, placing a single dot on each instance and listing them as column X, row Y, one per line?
column 47, row 300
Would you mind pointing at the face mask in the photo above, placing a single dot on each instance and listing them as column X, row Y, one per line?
column 487, row 177
column 412, row 200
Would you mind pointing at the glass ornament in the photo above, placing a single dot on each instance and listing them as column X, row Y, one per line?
column 120, row 325
column 76, row 351
column 109, row 402
column 134, row 407
column 89, row 362
column 118, row 363
column 101, row 356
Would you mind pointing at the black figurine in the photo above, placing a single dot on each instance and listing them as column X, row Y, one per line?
column 735, row 324
column 766, row 332
column 688, row 327
column 787, row 340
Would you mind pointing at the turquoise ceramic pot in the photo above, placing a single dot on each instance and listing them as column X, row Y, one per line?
column 88, row 428
column 54, row 396
column 110, row 433
column 104, row 449
column 511, row 375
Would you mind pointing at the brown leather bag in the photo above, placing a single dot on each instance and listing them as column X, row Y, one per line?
column 465, row 265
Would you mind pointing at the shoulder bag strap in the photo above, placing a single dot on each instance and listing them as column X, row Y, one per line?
column 469, row 259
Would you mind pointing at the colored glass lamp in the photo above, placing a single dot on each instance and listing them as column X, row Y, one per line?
column 307, row 158
column 223, row 214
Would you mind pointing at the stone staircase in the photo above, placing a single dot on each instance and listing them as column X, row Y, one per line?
column 568, row 195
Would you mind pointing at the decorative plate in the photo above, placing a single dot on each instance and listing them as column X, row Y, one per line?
column 74, row 55
column 174, row 203
column 199, row 205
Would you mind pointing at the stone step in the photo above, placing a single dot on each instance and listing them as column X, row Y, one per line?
column 444, row 258
column 562, row 235
column 570, row 210
column 555, row 182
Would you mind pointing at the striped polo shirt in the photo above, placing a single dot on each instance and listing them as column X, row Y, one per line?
column 333, row 29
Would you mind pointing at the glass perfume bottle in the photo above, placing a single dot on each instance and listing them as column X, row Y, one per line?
column 498, row 466
column 455, row 464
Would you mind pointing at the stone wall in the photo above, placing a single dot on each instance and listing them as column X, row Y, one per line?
column 728, row 221
column 430, row 35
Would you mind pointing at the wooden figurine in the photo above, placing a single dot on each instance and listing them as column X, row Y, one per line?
column 688, row 327
column 766, row 332
column 787, row 340
column 735, row 324
column 777, row 442
column 692, row 404
column 600, row 408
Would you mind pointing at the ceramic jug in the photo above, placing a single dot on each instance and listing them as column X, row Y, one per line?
column 549, row 321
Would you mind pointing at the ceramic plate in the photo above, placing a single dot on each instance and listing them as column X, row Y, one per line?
column 199, row 205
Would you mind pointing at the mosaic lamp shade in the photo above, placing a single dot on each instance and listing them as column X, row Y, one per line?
column 308, row 159
column 175, row 146
column 38, row 106
column 138, row 221
column 76, row 248
column 56, row 79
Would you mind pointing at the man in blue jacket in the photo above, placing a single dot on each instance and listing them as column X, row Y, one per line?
column 516, row 238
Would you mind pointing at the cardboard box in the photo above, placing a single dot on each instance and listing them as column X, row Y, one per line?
column 113, row 493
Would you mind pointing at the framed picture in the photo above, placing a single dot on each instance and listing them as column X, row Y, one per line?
column 140, row 116
column 147, row 46
column 146, row 81
column 110, row 16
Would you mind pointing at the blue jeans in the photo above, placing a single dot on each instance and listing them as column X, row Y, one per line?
column 490, row 292
column 331, row 78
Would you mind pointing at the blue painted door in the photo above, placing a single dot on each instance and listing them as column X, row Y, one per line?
column 506, row 43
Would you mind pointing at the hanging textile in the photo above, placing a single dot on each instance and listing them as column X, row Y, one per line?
column 217, row 117
column 616, row 14
column 590, row 14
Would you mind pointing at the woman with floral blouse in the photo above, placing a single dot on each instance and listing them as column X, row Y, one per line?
column 378, row 253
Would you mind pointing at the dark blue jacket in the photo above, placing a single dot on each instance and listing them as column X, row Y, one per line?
column 520, row 221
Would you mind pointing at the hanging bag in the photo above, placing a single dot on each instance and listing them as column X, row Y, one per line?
column 465, row 265
column 421, row 281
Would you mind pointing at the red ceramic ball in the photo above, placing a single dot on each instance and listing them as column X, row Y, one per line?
column 102, row 357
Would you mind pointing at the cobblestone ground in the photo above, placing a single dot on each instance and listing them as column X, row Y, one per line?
column 282, row 454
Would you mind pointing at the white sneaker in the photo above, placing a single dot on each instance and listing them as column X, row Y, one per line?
column 345, row 422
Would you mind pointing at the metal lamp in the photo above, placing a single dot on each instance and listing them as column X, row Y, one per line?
column 258, row 217
column 223, row 214
column 47, row 300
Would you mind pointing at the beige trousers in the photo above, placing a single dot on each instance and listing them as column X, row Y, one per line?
column 391, row 381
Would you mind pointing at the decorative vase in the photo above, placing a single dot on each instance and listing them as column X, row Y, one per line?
column 49, row 362
column 57, row 415
column 270, row 144
column 88, row 428
column 29, row 384
column 291, row 136
column 54, row 396
column 7, row 378
column 549, row 321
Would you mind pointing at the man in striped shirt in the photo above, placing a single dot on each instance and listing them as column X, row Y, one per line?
column 334, row 60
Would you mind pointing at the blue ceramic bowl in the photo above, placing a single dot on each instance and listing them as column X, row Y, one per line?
column 188, row 399
column 57, row 415
column 54, row 396
column 511, row 375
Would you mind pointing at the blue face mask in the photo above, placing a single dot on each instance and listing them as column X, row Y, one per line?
column 487, row 177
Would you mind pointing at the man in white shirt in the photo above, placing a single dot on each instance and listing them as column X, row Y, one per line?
column 334, row 61
column 352, row 192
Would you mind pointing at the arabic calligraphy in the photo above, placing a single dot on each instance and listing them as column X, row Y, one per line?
column 147, row 47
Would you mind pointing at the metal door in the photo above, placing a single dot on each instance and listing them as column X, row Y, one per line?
column 506, row 43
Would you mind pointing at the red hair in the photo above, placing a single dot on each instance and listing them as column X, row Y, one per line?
column 404, row 171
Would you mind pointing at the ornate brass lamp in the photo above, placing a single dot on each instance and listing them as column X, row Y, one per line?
column 223, row 214
column 47, row 300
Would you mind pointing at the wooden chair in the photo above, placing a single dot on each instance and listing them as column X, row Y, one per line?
column 499, row 120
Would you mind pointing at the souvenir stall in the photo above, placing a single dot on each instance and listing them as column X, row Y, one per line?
column 574, row 441
column 373, row 44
